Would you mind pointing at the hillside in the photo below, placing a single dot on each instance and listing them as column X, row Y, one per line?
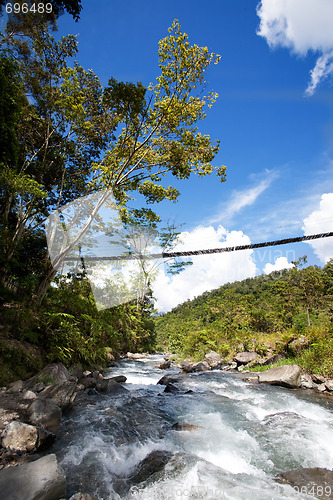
column 266, row 314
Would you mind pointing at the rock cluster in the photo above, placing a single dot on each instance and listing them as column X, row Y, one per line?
column 30, row 415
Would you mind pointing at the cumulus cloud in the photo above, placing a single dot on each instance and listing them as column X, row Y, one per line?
column 301, row 26
column 321, row 221
column 208, row 271
column 280, row 263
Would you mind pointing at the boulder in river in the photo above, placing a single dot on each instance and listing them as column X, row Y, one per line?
column 184, row 426
column 316, row 482
column 42, row 479
column 169, row 379
column 165, row 364
column 120, row 379
column 285, row 375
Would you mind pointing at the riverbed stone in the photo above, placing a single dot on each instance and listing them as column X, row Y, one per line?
column 214, row 360
column 306, row 381
column 329, row 385
column 243, row 358
column 285, row 375
column 45, row 413
column 62, row 394
column 201, row 366
column 82, row 496
column 184, row 426
column 121, row 379
column 42, row 479
column 16, row 386
column 318, row 379
column 308, row 480
column 320, row 387
column 167, row 379
column 165, row 364
column 21, row 437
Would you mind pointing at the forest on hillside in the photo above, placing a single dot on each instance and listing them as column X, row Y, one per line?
column 263, row 314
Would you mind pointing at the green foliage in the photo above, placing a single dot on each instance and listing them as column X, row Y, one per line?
column 263, row 314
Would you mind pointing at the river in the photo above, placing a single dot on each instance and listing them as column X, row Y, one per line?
column 247, row 433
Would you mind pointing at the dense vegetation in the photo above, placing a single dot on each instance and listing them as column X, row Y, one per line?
column 64, row 137
column 264, row 314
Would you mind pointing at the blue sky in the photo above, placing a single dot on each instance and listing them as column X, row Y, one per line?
column 273, row 118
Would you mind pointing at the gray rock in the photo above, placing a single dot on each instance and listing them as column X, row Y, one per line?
column 43, row 479
column 45, row 413
column 29, row 395
column 320, row 387
column 186, row 366
column 88, row 382
column 230, row 366
column 16, row 386
column 214, row 359
column 308, row 480
column 306, row 381
column 318, row 379
column 329, row 385
column 55, row 373
column 165, row 364
column 153, row 463
column 285, row 375
column 62, row 394
column 243, row 358
column 272, row 359
column 19, row 436
column 114, row 387
column 202, row 366
column 167, row 379
column 121, row 379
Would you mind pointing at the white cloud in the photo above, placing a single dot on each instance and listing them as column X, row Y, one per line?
column 301, row 26
column 321, row 221
column 208, row 271
column 243, row 198
column 280, row 263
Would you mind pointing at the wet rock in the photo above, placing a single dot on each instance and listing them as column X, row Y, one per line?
column 243, row 358
column 186, row 366
column 285, row 375
column 165, row 364
column 184, row 426
column 22, row 437
column 121, row 379
column 153, row 463
column 82, row 496
column 62, row 394
column 42, row 479
column 169, row 379
column 45, row 413
column 214, row 360
column 114, row 387
column 306, row 381
column 92, row 392
column 88, row 382
column 202, row 366
column 308, row 480
column 172, row 388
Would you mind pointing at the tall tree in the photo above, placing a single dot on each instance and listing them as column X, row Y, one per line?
column 71, row 120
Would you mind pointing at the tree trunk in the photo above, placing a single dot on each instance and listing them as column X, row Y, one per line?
column 43, row 286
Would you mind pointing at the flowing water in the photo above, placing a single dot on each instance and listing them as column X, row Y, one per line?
column 247, row 433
